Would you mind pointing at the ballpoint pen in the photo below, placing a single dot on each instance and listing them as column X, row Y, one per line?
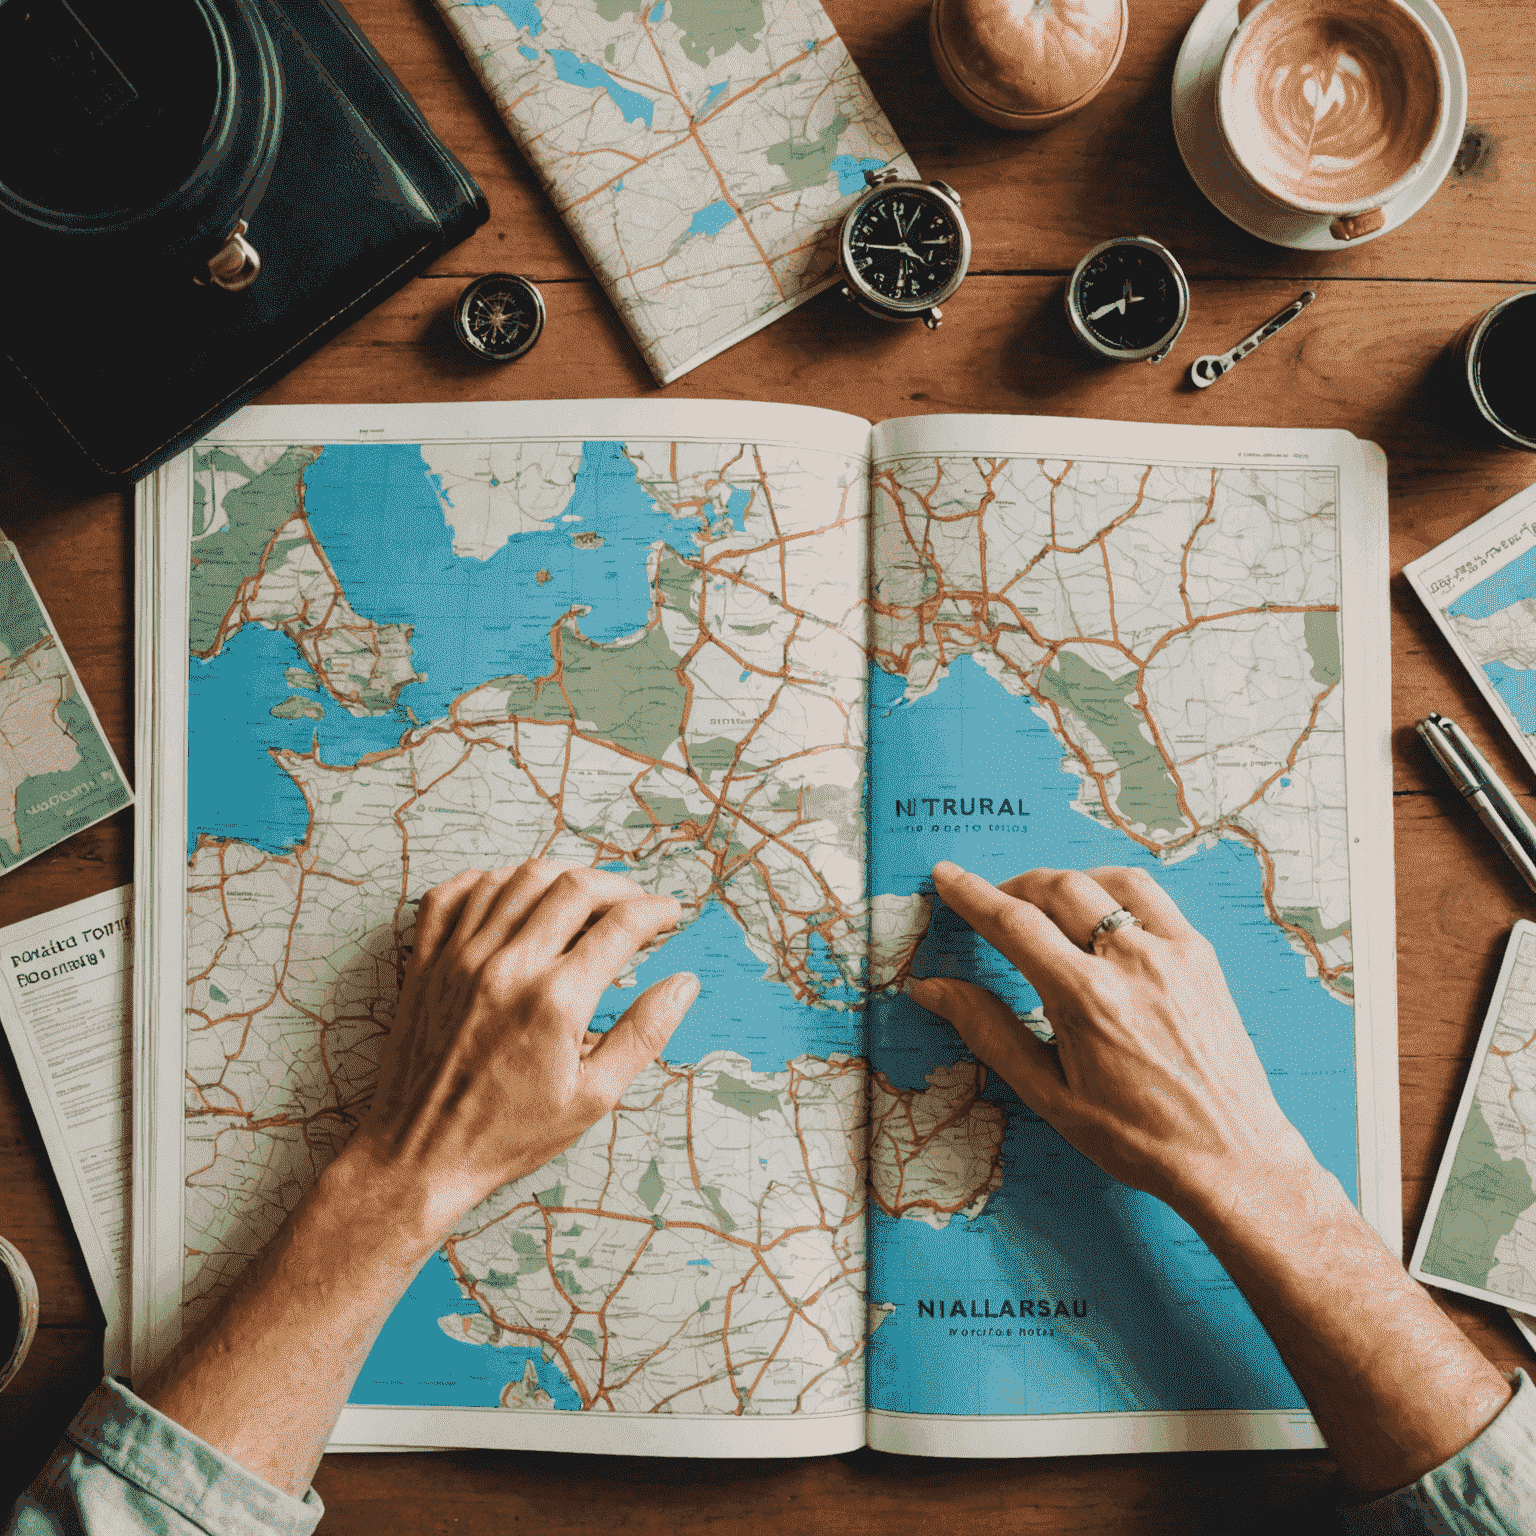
column 1496, row 808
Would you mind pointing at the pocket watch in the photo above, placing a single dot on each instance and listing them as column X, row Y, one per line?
column 904, row 248
column 1128, row 300
column 499, row 317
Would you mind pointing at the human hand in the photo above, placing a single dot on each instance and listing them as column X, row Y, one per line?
column 490, row 1069
column 1152, row 1074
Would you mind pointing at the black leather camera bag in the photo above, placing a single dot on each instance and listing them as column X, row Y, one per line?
column 194, row 194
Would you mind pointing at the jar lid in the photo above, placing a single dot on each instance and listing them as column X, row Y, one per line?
column 1026, row 64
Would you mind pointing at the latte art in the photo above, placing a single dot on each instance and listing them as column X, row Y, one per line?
column 1332, row 104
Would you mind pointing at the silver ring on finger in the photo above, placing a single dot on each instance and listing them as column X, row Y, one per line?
column 1112, row 922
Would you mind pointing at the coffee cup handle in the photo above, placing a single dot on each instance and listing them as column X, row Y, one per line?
column 1352, row 226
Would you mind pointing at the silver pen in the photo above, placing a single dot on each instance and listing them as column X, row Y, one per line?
column 1477, row 783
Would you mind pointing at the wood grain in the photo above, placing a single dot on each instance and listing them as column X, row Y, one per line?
column 1366, row 357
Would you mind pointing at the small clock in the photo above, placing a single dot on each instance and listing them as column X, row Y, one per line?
column 1128, row 300
column 499, row 317
column 904, row 248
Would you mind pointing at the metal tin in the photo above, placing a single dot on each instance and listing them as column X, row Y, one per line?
column 15, row 1273
column 1163, row 345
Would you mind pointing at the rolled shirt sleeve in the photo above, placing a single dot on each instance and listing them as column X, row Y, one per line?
column 124, row 1467
column 1488, row 1488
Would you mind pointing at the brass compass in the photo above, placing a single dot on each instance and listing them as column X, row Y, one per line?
column 499, row 317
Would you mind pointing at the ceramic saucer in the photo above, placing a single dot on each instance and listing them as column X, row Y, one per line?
column 1194, row 126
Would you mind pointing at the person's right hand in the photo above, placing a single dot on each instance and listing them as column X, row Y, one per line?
column 1152, row 1074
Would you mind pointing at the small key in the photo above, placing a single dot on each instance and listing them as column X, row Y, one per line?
column 1204, row 371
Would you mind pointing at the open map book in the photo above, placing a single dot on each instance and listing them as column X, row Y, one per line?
column 775, row 662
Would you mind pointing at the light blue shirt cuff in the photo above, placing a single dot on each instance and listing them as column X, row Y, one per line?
column 1488, row 1488
column 124, row 1467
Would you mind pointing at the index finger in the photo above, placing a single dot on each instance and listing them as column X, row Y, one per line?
column 603, row 951
column 1017, row 928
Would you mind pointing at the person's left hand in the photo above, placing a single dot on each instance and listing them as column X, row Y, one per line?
column 490, row 1069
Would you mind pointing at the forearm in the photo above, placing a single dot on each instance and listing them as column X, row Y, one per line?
column 1395, row 1387
column 267, row 1380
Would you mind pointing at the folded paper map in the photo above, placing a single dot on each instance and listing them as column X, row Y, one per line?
column 703, row 152
column 1480, row 588
column 777, row 663
column 57, row 773
column 1479, row 1233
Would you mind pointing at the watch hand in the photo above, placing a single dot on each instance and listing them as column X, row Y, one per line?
column 904, row 248
column 1104, row 309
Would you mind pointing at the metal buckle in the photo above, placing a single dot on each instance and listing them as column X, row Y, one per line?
column 235, row 265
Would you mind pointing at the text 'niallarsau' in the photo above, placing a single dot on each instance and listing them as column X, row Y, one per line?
column 1039, row 1307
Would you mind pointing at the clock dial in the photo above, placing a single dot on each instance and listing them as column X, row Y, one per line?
column 499, row 317
column 905, row 246
column 1128, row 298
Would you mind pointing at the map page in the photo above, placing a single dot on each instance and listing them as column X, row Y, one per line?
column 412, row 656
column 57, row 773
column 1084, row 658
column 1480, row 588
column 702, row 152
column 1479, row 1234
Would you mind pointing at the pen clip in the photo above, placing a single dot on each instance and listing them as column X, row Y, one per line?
column 1509, row 809
column 1462, row 773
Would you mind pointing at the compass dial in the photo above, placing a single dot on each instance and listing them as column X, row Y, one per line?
column 906, row 246
column 499, row 317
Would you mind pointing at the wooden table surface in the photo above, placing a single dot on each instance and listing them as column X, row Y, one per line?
column 1364, row 357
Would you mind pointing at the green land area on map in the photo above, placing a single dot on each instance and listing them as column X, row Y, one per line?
column 1482, row 1201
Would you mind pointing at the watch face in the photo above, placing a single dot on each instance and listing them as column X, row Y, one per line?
column 499, row 317
column 1128, row 297
column 907, row 245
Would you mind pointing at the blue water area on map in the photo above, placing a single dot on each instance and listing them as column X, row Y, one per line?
column 710, row 220
column 521, row 13
column 234, row 789
column 736, row 1009
column 574, row 70
column 528, row 53
column 413, row 1363
column 1165, row 1327
column 1517, row 687
column 386, row 530
column 387, row 533
column 850, row 173
column 711, row 96
column 1501, row 590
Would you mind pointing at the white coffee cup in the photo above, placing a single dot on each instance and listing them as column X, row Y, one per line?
column 1331, row 107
